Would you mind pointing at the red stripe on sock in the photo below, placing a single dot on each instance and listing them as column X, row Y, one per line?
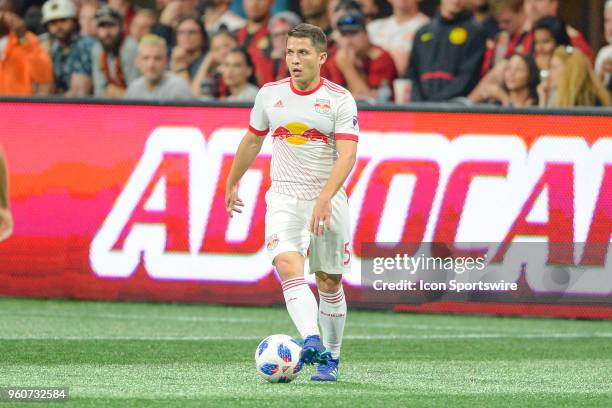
column 331, row 295
column 334, row 298
column 291, row 281
column 293, row 285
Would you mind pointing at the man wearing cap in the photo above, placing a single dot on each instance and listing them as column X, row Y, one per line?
column 70, row 52
column 447, row 54
column 113, row 56
column 358, row 64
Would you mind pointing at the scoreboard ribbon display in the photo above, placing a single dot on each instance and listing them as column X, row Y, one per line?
column 127, row 202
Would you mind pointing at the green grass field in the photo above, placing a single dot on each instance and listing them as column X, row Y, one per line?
column 161, row 355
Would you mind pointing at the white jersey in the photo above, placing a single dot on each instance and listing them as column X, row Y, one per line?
column 304, row 126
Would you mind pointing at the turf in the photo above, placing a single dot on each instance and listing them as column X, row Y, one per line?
column 161, row 355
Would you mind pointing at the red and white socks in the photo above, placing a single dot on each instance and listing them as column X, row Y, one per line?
column 332, row 315
column 302, row 306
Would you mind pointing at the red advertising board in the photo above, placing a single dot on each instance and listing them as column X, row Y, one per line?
column 127, row 202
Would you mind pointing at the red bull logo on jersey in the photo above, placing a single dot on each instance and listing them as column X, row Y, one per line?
column 297, row 133
column 322, row 106
column 272, row 242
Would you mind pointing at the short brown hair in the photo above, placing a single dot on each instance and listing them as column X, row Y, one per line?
column 316, row 35
column 498, row 6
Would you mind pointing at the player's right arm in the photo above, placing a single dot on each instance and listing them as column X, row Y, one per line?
column 249, row 147
column 6, row 220
column 245, row 156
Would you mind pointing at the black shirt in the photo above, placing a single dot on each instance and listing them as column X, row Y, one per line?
column 446, row 58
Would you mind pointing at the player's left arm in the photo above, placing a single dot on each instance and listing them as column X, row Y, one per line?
column 6, row 220
column 346, row 133
column 347, row 154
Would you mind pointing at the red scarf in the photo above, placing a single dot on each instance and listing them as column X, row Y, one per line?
column 118, row 79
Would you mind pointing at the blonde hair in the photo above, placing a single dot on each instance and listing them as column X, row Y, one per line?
column 152, row 39
column 578, row 84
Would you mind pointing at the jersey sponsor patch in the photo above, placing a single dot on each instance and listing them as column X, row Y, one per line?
column 272, row 242
column 297, row 133
column 322, row 106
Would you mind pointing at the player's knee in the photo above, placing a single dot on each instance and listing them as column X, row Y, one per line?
column 328, row 283
column 289, row 265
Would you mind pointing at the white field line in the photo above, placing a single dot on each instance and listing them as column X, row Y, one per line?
column 348, row 337
column 221, row 319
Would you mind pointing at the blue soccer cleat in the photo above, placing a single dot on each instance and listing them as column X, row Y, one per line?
column 313, row 351
column 327, row 371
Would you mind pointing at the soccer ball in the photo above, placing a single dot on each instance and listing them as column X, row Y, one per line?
column 277, row 358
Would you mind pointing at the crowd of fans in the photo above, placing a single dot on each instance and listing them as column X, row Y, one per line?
column 515, row 53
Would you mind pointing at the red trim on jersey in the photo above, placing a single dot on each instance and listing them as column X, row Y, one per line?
column 282, row 81
column 258, row 132
column 347, row 136
column 333, row 87
column 304, row 93
column 437, row 75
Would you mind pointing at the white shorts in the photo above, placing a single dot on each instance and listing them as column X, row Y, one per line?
column 288, row 230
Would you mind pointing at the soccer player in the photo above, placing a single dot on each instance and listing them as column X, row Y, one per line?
column 314, row 127
column 6, row 220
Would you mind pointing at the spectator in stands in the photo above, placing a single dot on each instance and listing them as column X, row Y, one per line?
column 238, row 76
column 169, row 15
column 254, row 36
column 447, row 55
column 572, row 82
column 520, row 81
column 217, row 15
column 87, row 18
column 279, row 26
column 482, row 13
column 6, row 219
column 127, row 10
column 536, row 9
column 70, row 52
column 191, row 44
column 510, row 40
column 395, row 33
column 603, row 63
column 338, row 8
column 155, row 82
column 7, row 5
column 25, row 66
column 172, row 13
column 548, row 33
column 142, row 23
column 208, row 83
column 369, row 8
column 113, row 56
column 315, row 12
column 359, row 65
